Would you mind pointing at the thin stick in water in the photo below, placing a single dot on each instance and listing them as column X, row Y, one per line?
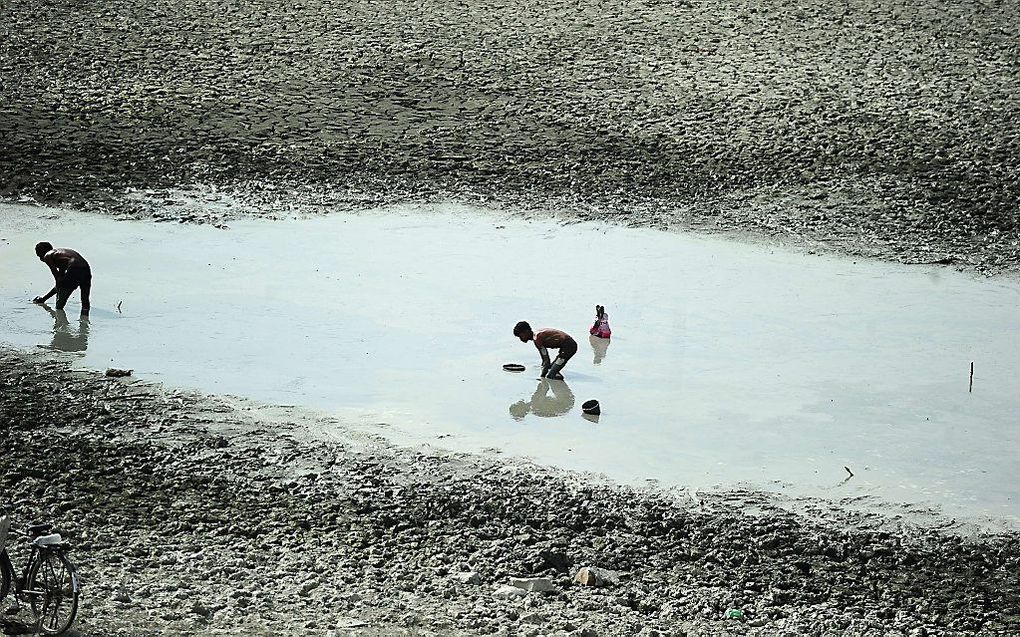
column 971, row 377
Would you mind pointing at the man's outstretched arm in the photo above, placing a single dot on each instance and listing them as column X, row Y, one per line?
column 56, row 279
column 43, row 299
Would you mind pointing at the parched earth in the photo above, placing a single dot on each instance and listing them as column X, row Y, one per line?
column 198, row 515
column 881, row 128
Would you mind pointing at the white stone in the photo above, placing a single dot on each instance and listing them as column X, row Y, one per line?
column 509, row 592
column 535, row 584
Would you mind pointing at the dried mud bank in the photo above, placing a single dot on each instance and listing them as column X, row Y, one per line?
column 199, row 515
column 873, row 127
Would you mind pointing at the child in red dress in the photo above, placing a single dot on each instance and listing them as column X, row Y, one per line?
column 601, row 326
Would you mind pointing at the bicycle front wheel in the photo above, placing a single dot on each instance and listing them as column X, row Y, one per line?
column 53, row 587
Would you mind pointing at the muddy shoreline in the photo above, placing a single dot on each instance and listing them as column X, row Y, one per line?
column 201, row 515
column 860, row 127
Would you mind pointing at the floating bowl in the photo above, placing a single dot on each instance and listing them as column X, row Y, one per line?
column 514, row 367
column 591, row 407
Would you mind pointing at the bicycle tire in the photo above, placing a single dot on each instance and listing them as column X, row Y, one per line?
column 6, row 574
column 56, row 579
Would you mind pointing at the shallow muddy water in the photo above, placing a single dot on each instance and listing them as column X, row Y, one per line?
column 729, row 363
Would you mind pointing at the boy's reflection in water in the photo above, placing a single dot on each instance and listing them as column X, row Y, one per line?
column 66, row 338
column 544, row 404
column 600, row 346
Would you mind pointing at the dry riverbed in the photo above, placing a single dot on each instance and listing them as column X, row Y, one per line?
column 869, row 127
column 203, row 515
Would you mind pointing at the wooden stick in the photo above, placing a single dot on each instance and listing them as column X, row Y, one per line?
column 971, row 377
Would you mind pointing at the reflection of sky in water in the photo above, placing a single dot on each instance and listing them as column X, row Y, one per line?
column 728, row 362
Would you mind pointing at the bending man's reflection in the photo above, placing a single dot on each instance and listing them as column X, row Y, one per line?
column 544, row 404
column 65, row 338
column 600, row 346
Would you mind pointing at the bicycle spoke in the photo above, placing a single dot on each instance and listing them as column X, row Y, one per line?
column 56, row 613
column 58, row 584
column 52, row 575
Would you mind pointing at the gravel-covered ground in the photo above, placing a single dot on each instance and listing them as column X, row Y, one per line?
column 876, row 127
column 202, row 515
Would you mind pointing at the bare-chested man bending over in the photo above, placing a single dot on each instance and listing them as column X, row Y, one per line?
column 70, row 270
column 545, row 340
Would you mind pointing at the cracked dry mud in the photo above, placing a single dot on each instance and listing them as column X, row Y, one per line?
column 879, row 128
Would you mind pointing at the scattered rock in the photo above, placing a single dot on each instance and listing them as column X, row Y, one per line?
column 533, row 618
column 592, row 576
column 505, row 591
column 533, row 584
column 200, row 609
column 586, row 577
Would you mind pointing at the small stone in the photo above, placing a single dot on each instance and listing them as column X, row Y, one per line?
column 534, row 584
column 509, row 592
column 113, row 372
column 350, row 598
column 200, row 609
column 468, row 578
column 592, row 576
column 586, row 577
column 533, row 618
column 308, row 587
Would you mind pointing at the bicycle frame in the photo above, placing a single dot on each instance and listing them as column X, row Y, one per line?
column 46, row 552
column 5, row 527
column 5, row 560
column 36, row 553
column 20, row 591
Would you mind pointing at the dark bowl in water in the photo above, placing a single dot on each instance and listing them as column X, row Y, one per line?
column 591, row 407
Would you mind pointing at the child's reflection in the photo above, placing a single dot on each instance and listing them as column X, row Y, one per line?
column 65, row 338
column 544, row 404
column 600, row 346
